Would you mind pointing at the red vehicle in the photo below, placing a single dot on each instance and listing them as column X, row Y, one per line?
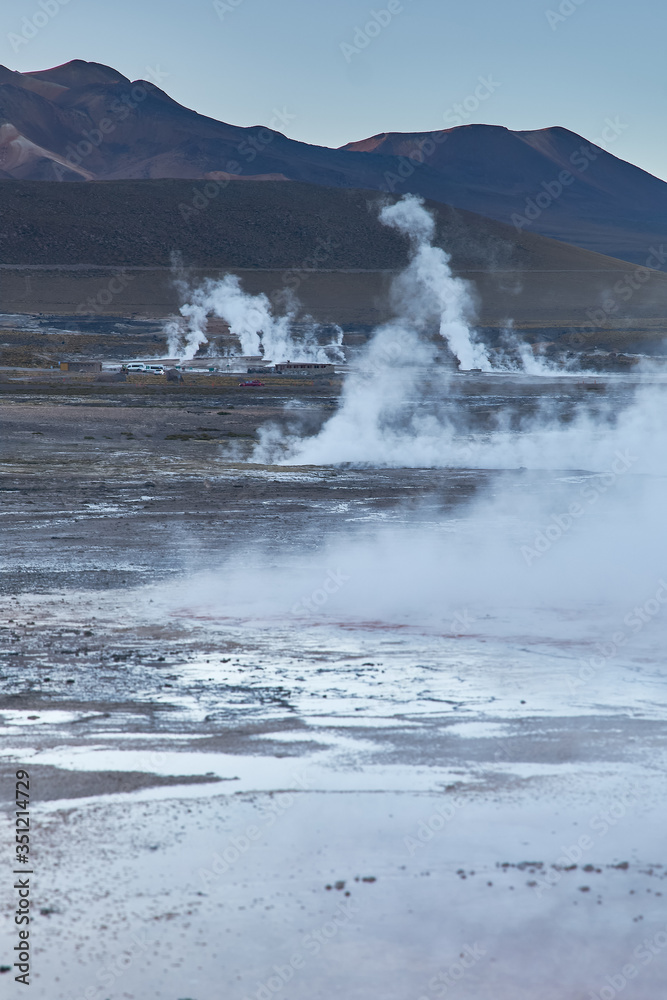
column 254, row 382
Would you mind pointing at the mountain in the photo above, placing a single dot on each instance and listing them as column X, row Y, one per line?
column 83, row 121
column 86, row 122
column 550, row 181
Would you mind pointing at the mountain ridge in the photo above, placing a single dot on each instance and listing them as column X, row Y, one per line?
column 87, row 122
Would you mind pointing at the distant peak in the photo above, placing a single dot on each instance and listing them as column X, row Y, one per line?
column 79, row 73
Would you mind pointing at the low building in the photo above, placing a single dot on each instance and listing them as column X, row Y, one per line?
column 81, row 366
column 304, row 368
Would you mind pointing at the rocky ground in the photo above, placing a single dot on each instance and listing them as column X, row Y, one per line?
column 233, row 795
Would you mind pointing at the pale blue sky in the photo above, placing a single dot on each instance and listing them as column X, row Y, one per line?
column 604, row 60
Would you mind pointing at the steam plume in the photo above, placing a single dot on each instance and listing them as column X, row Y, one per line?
column 427, row 292
column 251, row 319
column 393, row 408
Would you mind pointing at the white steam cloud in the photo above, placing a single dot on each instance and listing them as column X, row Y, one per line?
column 393, row 408
column 427, row 292
column 571, row 556
column 507, row 554
column 573, row 560
column 379, row 424
column 251, row 320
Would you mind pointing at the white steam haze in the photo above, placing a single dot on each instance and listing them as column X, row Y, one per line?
column 558, row 542
column 515, row 545
column 514, row 558
column 427, row 291
column 250, row 318
column 377, row 424
column 544, row 554
column 382, row 418
column 426, row 297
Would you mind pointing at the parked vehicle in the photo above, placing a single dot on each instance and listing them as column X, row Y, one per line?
column 141, row 366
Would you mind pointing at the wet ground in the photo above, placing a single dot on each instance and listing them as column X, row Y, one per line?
column 267, row 761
